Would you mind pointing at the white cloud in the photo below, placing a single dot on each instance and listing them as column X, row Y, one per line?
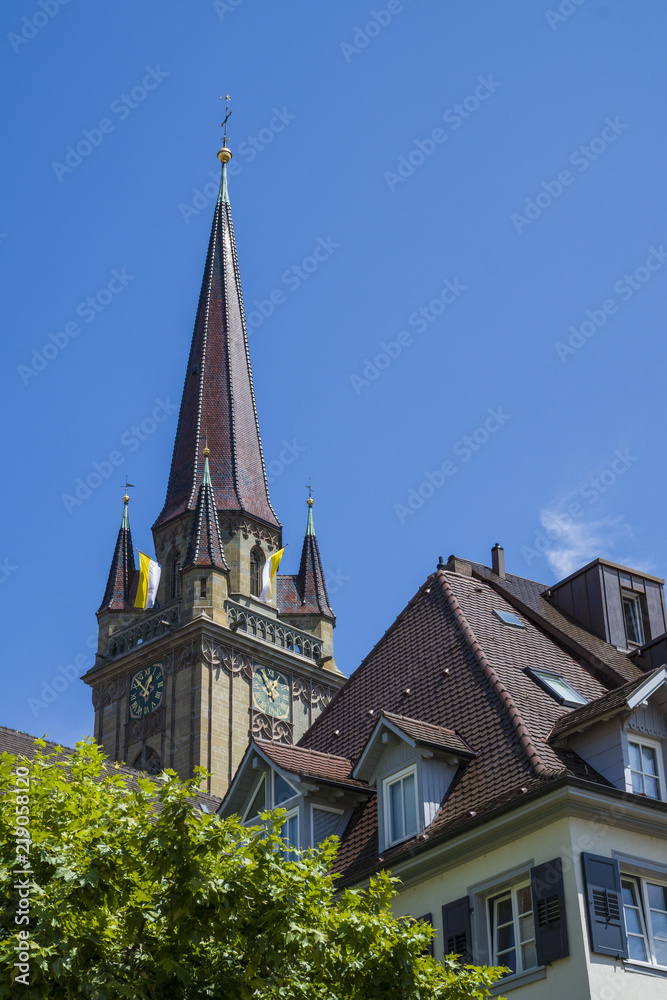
column 572, row 544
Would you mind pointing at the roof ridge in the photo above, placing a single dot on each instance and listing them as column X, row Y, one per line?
column 504, row 696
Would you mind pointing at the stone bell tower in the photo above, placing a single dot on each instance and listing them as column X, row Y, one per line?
column 188, row 681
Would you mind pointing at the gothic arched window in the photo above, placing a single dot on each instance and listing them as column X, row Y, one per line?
column 256, row 563
column 148, row 760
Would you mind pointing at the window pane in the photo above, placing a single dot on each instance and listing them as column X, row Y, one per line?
column 508, row 958
column 283, row 791
column 524, row 900
column 504, row 910
column 259, row 802
column 505, row 937
column 526, row 927
column 657, row 896
column 396, row 809
column 635, row 757
column 633, row 619
column 659, row 924
column 651, row 787
column 528, row 956
column 632, row 921
column 660, row 951
column 648, row 760
column 410, row 804
column 637, row 948
column 637, row 783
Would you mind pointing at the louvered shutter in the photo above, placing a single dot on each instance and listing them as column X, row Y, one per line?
column 606, row 921
column 456, row 929
column 546, row 884
column 427, row 918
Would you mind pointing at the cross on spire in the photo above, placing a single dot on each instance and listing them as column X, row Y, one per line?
column 223, row 124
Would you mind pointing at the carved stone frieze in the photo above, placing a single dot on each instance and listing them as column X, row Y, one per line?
column 276, row 730
column 231, row 660
column 232, row 524
column 179, row 658
column 301, row 690
column 320, row 696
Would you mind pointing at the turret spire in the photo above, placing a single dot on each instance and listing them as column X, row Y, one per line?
column 121, row 575
column 205, row 544
column 310, row 581
column 218, row 393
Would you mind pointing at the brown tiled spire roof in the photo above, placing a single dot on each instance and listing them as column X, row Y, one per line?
column 122, row 572
column 218, row 396
column 205, row 544
column 306, row 593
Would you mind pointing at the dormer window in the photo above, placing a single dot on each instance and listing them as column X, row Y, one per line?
column 632, row 613
column 400, row 798
column 644, row 768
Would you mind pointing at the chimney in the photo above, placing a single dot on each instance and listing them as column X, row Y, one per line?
column 498, row 560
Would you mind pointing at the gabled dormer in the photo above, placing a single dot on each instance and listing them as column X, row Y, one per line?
column 316, row 789
column 412, row 764
column 623, row 606
column 623, row 735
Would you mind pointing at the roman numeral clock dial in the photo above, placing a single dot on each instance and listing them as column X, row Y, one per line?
column 271, row 692
column 146, row 691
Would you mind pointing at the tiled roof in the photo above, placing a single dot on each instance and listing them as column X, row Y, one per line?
column 429, row 735
column 465, row 671
column 527, row 596
column 218, row 402
column 120, row 592
column 579, row 718
column 23, row 746
column 311, row 763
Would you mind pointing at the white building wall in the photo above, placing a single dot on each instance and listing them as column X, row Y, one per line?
column 581, row 976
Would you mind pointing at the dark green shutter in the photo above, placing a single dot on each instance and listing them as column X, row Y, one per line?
column 427, row 918
column 604, row 902
column 456, row 929
column 546, row 884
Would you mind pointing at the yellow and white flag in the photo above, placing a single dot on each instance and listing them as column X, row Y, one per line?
column 269, row 571
column 149, row 581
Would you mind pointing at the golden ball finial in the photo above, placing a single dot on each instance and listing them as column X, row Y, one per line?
column 207, row 451
column 224, row 155
column 310, row 501
column 126, row 499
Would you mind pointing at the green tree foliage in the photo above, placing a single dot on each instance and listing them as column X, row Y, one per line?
column 135, row 893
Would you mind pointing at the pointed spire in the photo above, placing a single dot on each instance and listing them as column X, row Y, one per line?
column 205, row 544
column 122, row 572
column 310, row 582
column 218, row 393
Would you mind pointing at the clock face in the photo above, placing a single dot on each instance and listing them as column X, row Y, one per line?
column 271, row 692
column 146, row 691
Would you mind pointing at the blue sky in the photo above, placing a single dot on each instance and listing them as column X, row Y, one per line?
column 478, row 358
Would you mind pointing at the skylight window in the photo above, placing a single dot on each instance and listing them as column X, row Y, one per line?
column 508, row 618
column 558, row 688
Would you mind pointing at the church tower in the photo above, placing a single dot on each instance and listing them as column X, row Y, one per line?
column 188, row 681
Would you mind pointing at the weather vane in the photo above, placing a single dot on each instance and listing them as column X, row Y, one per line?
column 128, row 486
column 224, row 123
column 310, row 488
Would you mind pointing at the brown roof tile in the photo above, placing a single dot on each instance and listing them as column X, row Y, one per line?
column 311, row 763
column 609, row 703
column 429, row 735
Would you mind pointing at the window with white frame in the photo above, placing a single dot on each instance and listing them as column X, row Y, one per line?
column 289, row 831
column 645, row 909
column 400, row 806
column 512, row 929
column 632, row 613
column 644, row 770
